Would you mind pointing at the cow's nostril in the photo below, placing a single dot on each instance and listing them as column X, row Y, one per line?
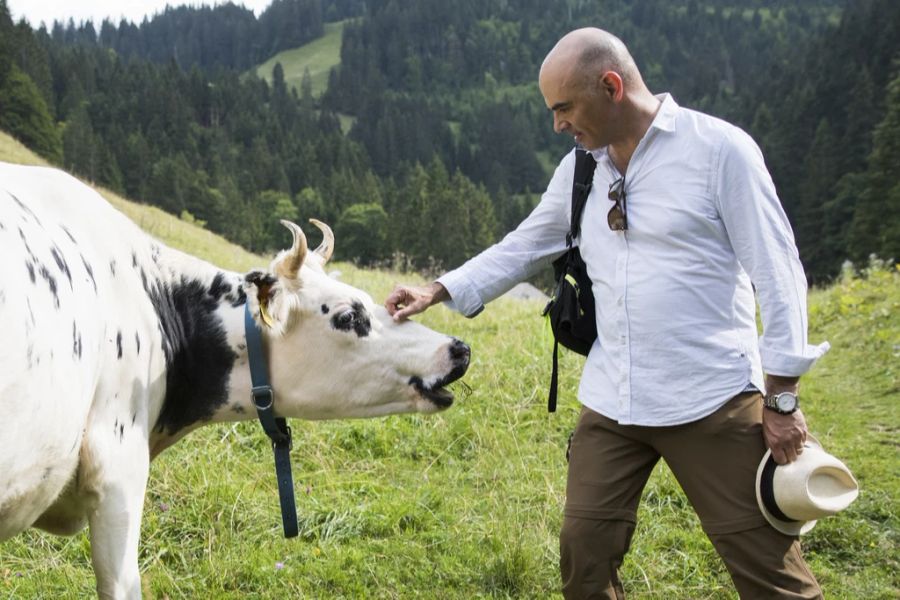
column 459, row 350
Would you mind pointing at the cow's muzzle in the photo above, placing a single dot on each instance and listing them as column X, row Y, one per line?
column 460, row 353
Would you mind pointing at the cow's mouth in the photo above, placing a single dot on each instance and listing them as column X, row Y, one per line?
column 437, row 393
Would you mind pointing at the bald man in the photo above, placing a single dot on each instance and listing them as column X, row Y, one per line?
column 690, row 226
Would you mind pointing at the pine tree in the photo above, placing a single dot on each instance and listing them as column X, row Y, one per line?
column 821, row 168
column 79, row 146
column 362, row 231
column 273, row 206
column 875, row 228
column 24, row 114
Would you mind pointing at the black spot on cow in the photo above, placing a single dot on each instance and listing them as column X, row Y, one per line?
column 324, row 309
column 260, row 278
column 134, row 262
column 51, row 283
column 61, row 263
column 198, row 357
column 112, row 267
column 356, row 319
column 90, row 271
column 25, row 209
column 137, row 342
column 237, row 408
column 240, row 299
column 119, row 344
column 219, row 287
column 133, row 418
column 30, row 266
column 121, row 432
column 76, row 340
column 2, row 226
column 68, row 233
column 25, row 242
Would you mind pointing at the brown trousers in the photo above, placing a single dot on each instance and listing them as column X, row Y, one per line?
column 715, row 461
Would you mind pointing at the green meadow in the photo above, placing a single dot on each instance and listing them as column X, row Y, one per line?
column 319, row 56
column 467, row 503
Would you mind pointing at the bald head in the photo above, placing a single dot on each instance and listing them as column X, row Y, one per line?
column 583, row 53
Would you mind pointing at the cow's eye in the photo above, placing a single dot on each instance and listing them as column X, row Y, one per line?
column 353, row 319
column 345, row 320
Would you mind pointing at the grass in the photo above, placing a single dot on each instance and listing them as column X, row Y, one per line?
column 319, row 56
column 467, row 503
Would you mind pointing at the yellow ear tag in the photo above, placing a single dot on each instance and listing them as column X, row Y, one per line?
column 264, row 315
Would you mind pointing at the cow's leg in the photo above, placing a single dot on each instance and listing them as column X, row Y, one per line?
column 116, row 523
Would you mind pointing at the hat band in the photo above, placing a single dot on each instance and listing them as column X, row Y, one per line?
column 767, row 491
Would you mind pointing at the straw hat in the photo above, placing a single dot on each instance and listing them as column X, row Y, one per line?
column 792, row 496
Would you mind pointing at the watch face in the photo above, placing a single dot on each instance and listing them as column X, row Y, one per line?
column 786, row 401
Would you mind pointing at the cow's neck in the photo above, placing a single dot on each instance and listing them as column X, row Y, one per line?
column 200, row 312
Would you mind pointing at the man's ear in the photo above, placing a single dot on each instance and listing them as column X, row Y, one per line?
column 613, row 85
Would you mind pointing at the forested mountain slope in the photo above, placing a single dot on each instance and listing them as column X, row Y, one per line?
column 451, row 141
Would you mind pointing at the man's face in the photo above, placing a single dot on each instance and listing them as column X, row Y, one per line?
column 580, row 107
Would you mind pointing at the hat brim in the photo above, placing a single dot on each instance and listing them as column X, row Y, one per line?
column 792, row 528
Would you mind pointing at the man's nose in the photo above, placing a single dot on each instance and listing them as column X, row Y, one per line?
column 559, row 125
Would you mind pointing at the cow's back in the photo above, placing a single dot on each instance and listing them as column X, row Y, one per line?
column 56, row 238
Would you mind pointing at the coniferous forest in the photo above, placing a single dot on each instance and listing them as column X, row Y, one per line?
column 431, row 139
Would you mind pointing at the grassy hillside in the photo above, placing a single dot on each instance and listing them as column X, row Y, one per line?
column 165, row 227
column 467, row 504
column 318, row 56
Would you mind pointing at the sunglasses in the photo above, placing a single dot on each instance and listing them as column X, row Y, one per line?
column 616, row 218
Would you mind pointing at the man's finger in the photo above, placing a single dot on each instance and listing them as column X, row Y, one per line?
column 396, row 299
column 779, row 456
column 404, row 313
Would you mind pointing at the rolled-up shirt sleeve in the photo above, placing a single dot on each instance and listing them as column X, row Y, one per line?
column 763, row 242
column 521, row 254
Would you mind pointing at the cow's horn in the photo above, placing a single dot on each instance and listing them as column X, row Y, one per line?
column 326, row 248
column 293, row 259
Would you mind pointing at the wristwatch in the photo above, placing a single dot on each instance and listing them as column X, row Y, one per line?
column 785, row 403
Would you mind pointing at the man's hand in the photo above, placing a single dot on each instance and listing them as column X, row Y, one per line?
column 784, row 434
column 406, row 301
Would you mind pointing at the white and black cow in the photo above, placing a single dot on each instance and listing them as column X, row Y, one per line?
column 115, row 346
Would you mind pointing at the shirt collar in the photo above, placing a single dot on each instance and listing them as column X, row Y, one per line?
column 664, row 120
column 667, row 113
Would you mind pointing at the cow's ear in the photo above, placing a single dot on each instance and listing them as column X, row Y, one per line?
column 261, row 288
column 268, row 292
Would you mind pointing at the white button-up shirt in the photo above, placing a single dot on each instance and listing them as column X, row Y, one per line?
column 676, row 314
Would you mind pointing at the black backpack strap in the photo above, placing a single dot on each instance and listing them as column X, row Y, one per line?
column 581, row 189
column 554, row 379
